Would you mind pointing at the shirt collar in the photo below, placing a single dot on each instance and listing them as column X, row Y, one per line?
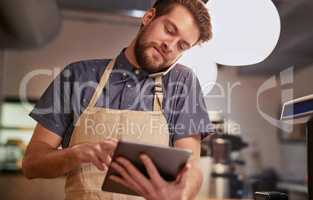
column 123, row 64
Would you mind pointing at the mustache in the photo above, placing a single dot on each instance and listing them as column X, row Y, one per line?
column 158, row 47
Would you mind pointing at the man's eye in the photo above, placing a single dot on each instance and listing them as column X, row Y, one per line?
column 183, row 46
column 169, row 30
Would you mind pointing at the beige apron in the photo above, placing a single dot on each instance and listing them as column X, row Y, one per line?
column 96, row 124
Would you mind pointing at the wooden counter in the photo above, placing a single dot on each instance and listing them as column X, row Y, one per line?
column 15, row 186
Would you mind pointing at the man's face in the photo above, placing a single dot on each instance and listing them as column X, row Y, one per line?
column 163, row 39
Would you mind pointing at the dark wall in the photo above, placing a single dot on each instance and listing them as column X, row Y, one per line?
column 1, row 73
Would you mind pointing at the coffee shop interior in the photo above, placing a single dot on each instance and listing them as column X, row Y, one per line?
column 252, row 148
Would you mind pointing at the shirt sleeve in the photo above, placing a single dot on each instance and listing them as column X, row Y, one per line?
column 54, row 109
column 189, row 114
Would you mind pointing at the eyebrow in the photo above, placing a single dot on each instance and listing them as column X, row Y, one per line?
column 177, row 31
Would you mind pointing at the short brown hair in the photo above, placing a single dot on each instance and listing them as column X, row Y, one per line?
column 197, row 9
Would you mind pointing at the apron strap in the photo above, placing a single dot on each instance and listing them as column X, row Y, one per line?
column 104, row 79
column 158, row 94
column 158, row 89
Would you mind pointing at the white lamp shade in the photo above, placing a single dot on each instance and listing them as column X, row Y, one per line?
column 203, row 67
column 245, row 32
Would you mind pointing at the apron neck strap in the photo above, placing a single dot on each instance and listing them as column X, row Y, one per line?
column 158, row 93
column 104, row 79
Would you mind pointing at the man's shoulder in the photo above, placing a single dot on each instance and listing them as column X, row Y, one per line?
column 91, row 68
column 89, row 64
column 181, row 72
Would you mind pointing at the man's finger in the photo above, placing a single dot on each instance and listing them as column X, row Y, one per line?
column 108, row 160
column 136, row 174
column 125, row 184
column 126, row 178
column 107, row 148
column 112, row 139
column 95, row 160
column 102, row 155
column 153, row 172
column 183, row 174
column 108, row 144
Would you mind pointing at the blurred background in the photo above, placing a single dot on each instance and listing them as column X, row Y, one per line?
column 48, row 35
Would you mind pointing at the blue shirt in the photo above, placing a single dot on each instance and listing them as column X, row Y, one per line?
column 69, row 94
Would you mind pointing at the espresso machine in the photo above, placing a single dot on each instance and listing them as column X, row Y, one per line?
column 226, row 178
column 224, row 146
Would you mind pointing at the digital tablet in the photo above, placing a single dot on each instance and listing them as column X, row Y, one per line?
column 169, row 161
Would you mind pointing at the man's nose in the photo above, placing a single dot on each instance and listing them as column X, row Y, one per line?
column 169, row 45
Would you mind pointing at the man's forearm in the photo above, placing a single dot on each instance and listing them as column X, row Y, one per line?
column 194, row 176
column 48, row 162
column 193, row 182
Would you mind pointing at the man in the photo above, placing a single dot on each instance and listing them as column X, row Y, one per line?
column 139, row 96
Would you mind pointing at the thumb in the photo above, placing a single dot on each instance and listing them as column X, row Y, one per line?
column 181, row 177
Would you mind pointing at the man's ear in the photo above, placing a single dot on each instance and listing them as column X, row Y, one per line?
column 149, row 16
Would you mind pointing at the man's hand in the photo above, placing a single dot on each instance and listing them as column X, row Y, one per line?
column 154, row 187
column 43, row 159
column 98, row 154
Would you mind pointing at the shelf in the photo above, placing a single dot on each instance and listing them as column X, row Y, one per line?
column 22, row 129
column 293, row 187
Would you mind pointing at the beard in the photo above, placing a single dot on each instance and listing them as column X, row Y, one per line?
column 148, row 62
